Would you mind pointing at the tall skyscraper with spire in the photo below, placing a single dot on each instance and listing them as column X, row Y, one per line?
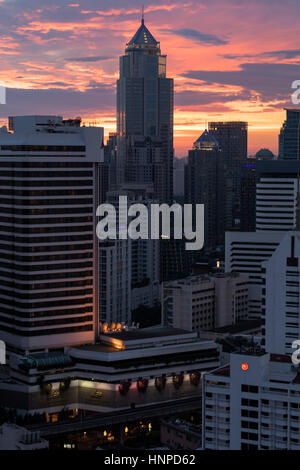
column 145, row 116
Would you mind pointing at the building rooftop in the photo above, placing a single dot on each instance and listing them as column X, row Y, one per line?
column 98, row 347
column 196, row 279
column 224, row 371
column 46, row 361
column 142, row 39
column 206, row 141
column 294, row 110
column 239, row 327
column 183, row 425
column 151, row 338
column 146, row 333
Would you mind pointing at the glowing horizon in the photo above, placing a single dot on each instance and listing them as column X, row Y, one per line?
column 225, row 58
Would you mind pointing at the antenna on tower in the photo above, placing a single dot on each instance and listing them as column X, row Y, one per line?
column 143, row 14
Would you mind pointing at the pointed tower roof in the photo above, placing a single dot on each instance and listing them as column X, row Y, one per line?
column 143, row 36
column 206, row 141
column 143, row 39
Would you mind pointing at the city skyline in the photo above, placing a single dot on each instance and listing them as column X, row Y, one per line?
column 63, row 59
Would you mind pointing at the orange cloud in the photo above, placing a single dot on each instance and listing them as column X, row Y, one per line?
column 33, row 57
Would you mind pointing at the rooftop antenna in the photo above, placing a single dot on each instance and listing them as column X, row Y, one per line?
column 143, row 19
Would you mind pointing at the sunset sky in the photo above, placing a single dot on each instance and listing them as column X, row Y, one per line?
column 231, row 60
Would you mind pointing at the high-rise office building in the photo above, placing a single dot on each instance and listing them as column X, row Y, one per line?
column 49, row 184
column 289, row 137
column 248, row 195
column 110, row 159
column 175, row 261
column 232, row 139
column 204, row 184
column 129, row 269
column 178, row 173
column 277, row 189
column 145, row 116
column 104, row 183
column 115, row 281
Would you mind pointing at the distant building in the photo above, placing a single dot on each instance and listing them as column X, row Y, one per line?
column 232, row 139
column 264, row 154
column 204, row 184
column 179, row 164
column 289, row 137
column 128, row 269
column 179, row 434
column 104, row 183
column 110, row 159
column 145, row 116
column 205, row 302
column 248, row 195
column 244, row 253
column 115, row 281
column 175, row 261
column 277, row 190
column 13, row 437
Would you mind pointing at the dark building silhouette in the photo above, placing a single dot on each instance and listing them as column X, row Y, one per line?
column 289, row 137
column 110, row 159
column 232, row 139
column 104, row 183
column 204, row 175
column 175, row 261
column 248, row 195
column 264, row 154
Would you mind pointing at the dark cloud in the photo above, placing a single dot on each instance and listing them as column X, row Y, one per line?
column 57, row 101
column 281, row 54
column 195, row 35
column 270, row 81
column 196, row 98
column 95, row 58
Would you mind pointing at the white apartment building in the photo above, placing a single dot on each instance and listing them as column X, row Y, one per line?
column 244, row 253
column 277, row 190
column 115, row 281
column 49, row 186
column 281, row 307
column 252, row 403
column 276, row 200
column 205, row 302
